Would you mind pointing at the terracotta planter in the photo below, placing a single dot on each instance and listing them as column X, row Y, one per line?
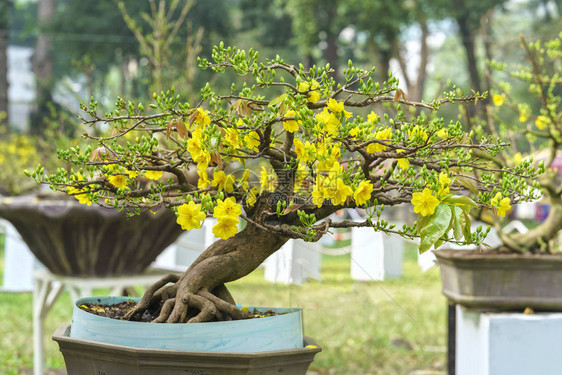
column 73, row 239
column 501, row 281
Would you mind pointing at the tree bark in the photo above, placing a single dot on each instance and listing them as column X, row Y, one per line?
column 199, row 294
column 417, row 94
column 4, row 36
column 467, row 39
column 537, row 239
column 331, row 53
column 42, row 62
column 42, row 66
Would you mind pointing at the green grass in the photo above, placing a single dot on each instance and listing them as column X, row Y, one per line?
column 356, row 324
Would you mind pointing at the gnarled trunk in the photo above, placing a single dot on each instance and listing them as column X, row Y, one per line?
column 538, row 239
column 200, row 294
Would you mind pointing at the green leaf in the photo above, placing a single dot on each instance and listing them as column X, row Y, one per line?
column 280, row 99
column 467, row 225
column 420, row 223
column 467, row 184
column 464, row 202
column 435, row 227
column 458, row 222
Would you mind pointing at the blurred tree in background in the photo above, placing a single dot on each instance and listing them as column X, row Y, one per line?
column 428, row 42
column 4, row 34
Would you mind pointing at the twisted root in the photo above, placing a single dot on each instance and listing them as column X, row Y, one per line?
column 175, row 303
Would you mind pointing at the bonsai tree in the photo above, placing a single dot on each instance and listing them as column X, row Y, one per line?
column 534, row 127
column 276, row 156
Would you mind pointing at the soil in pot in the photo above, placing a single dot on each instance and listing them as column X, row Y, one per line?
column 119, row 311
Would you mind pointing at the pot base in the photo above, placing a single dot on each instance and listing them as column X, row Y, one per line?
column 84, row 357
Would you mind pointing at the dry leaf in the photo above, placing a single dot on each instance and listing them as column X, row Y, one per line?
column 182, row 129
column 217, row 159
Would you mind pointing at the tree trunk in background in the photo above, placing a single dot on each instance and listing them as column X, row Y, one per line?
column 42, row 65
column 418, row 89
column 4, row 36
column 486, row 31
column 467, row 39
column 331, row 53
column 42, row 62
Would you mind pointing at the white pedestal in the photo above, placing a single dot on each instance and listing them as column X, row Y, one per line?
column 508, row 343
column 19, row 262
column 294, row 263
column 374, row 255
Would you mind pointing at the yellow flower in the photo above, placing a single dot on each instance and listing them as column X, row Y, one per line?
column 231, row 137
column 132, row 174
column 252, row 140
column 424, row 202
column 190, row 216
column 517, row 158
column 523, row 117
column 363, row 193
column 355, row 131
column 418, row 131
column 498, row 100
column 267, row 181
column 290, row 125
column 314, row 94
column 442, row 133
column 329, row 120
column 305, row 151
column 335, row 106
column 225, row 229
column 223, row 182
column 372, row 117
column 118, row 180
column 382, row 135
column 80, row 195
column 502, row 204
column 195, row 144
column 444, row 182
column 227, row 209
column 203, row 160
column 318, row 195
column 153, row 175
column 244, row 181
column 541, row 122
column 251, row 198
column 337, row 191
column 202, row 117
column 203, row 181
column 300, row 175
column 403, row 163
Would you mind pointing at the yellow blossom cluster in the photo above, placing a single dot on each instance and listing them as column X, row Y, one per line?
column 227, row 213
column 501, row 204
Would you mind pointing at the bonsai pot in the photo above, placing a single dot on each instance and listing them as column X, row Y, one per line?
column 99, row 345
column 74, row 239
column 495, row 281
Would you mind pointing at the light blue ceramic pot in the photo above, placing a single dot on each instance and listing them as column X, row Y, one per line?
column 280, row 332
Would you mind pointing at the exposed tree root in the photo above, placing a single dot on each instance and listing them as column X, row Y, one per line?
column 200, row 294
column 175, row 304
